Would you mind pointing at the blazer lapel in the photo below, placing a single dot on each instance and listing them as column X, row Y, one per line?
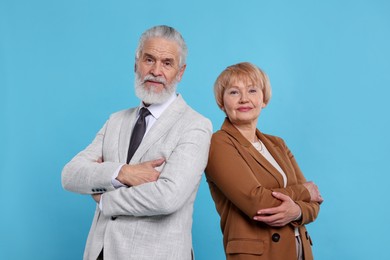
column 229, row 128
column 160, row 127
column 125, row 133
column 277, row 153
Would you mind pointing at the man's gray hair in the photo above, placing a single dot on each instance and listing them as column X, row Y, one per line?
column 165, row 32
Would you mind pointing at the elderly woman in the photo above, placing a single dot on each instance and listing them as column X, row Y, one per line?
column 259, row 191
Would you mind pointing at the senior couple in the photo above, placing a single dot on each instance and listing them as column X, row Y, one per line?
column 144, row 168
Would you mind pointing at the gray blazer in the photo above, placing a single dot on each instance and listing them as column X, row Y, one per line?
column 152, row 220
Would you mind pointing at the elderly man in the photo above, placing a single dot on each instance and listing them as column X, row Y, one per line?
column 144, row 166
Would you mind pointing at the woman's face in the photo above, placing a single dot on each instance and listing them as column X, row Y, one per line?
column 243, row 102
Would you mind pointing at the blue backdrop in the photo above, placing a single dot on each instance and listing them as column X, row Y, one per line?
column 66, row 65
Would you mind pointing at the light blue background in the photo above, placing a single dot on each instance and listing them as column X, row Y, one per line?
column 66, row 65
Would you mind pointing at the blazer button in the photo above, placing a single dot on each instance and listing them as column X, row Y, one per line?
column 113, row 218
column 275, row 237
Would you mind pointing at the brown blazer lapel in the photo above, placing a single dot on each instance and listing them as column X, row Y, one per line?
column 232, row 131
column 277, row 153
column 266, row 164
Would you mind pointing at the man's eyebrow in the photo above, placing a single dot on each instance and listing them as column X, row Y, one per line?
column 148, row 55
column 172, row 60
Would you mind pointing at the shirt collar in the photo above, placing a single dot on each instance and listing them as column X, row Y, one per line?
column 157, row 109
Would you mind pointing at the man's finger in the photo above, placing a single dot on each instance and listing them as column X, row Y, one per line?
column 158, row 162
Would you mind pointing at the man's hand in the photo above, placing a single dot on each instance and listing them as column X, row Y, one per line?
column 281, row 215
column 133, row 175
column 97, row 197
column 314, row 192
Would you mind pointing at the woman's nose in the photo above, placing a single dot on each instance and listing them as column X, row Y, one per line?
column 243, row 98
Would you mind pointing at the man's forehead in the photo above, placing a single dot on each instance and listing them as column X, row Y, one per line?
column 161, row 48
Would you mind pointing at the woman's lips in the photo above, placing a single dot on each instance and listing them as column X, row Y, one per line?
column 244, row 109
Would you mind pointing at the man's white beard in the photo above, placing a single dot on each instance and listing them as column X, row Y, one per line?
column 148, row 95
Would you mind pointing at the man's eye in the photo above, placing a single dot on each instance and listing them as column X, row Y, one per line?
column 168, row 64
column 149, row 60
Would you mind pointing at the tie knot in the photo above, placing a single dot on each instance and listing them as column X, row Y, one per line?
column 144, row 112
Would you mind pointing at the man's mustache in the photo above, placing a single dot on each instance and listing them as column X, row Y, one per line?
column 155, row 79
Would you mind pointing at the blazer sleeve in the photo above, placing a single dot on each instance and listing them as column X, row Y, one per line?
column 178, row 181
column 83, row 174
column 309, row 209
column 230, row 173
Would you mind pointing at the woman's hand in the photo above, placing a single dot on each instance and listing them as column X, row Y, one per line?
column 281, row 215
column 314, row 192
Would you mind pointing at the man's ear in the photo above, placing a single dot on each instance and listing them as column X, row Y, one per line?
column 181, row 72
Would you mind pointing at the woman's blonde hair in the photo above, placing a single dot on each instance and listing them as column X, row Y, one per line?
column 245, row 72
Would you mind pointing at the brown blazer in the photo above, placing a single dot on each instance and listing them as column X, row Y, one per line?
column 241, row 181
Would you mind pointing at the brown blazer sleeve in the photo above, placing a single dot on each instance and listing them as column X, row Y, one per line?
column 309, row 209
column 228, row 171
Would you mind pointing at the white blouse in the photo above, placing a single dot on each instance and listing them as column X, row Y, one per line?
column 264, row 152
column 260, row 147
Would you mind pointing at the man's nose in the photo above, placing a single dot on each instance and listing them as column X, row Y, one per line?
column 156, row 69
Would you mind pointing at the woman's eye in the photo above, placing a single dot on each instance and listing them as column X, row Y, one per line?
column 253, row 91
column 233, row 92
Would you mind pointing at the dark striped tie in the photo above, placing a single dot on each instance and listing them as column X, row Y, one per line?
column 138, row 133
